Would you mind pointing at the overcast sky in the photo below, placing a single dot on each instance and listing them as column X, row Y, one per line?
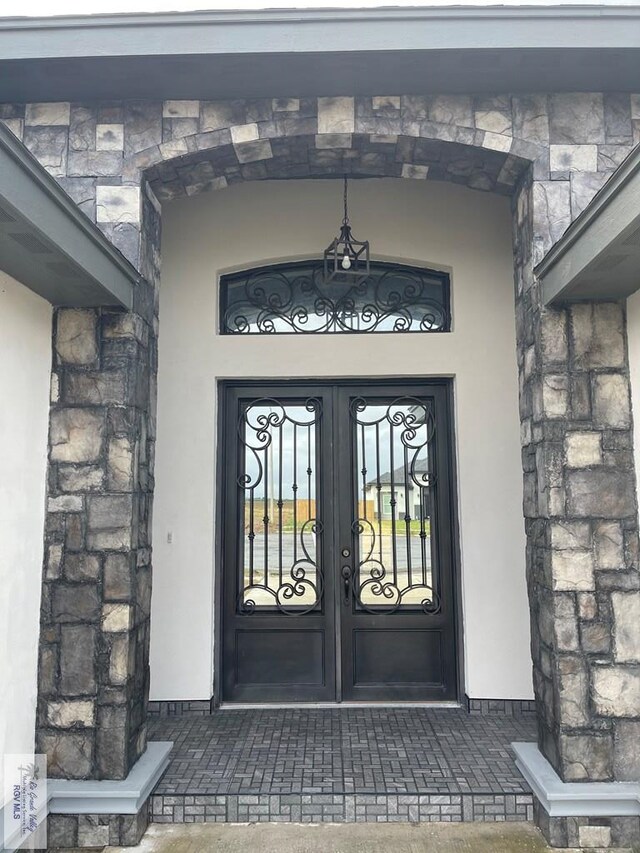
column 83, row 7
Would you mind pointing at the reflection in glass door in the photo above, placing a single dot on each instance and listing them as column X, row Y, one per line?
column 396, row 475
column 337, row 543
column 279, row 496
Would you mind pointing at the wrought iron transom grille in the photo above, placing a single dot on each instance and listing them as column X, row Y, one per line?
column 295, row 298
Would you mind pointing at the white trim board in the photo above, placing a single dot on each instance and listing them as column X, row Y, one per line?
column 107, row 796
column 574, row 799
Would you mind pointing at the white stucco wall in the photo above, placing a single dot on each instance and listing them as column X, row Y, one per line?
column 25, row 367
column 438, row 225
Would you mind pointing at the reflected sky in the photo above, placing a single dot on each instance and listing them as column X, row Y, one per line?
column 282, row 441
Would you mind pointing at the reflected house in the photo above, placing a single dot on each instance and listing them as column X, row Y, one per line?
column 396, row 495
column 210, row 446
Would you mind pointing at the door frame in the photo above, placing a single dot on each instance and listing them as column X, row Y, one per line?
column 221, row 484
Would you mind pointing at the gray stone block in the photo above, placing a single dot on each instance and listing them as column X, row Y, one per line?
column 552, row 210
column 69, row 714
column 83, row 193
column 95, row 163
column 110, row 137
column 627, row 751
column 609, row 542
column 76, row 435
column 69, row 754
column 530, row 118
column 47, row 669
column 120, row 459
column 142, row 125
column 77, row 603
column 611, row 404
column 82, row 128
column 219, row 115
column 587, row 758
column 626, row 613
column 553, row 330
column 107, row 512
column 111, row 743
column 133, row 827
column 81, row 567
column 573, row 692
column 584, row 186
column 616, row 690
column 600, row 493
column 249, row 152
column 62, row 831
column 117, row 577
column 93, row 830
column 597, row 335
column 76, row 338
column 77, row 660
column 611, row 156
column 96, row 388
column 595, row 638
column 617, row 118
column 576, row 117
column 80, row 478
column 49, row 145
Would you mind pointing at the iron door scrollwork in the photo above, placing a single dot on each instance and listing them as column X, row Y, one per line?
column 279, row 568
column 394, row 525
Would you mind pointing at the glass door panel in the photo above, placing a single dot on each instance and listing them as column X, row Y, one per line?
column 395, row 525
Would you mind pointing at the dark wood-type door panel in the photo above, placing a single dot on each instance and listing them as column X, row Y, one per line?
column 397, row 614
column 279, row 618
column 338, row 575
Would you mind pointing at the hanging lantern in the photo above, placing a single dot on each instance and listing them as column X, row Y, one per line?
column 346, row 259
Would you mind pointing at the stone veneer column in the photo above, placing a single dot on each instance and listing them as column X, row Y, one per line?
column 582, row 542
column 94, row 646
column 579, row 482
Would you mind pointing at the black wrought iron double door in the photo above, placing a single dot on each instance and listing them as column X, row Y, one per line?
column 338, row 571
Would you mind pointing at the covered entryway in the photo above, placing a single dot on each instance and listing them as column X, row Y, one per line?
column 249, row 316
column 338, row 568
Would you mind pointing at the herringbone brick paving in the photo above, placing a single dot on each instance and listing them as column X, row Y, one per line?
column 341, row 765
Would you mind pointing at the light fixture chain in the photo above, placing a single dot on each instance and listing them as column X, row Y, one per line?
column 345, row 221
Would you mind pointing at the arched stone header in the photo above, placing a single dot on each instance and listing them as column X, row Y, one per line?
column 103, row 154
column 409, row 137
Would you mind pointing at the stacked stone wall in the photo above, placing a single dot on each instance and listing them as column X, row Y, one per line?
column 550, row 154
column 101, row 153
column 93, row 679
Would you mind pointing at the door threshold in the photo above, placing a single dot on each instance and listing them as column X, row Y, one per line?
column 272, row 706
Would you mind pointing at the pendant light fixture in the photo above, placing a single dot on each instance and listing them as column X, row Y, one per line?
column 346, row 259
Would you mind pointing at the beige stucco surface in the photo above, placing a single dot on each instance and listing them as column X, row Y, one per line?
column 25, row 366
column 437, row 225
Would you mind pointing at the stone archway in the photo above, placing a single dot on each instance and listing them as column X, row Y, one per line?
column 570, row 359
column 211, row 144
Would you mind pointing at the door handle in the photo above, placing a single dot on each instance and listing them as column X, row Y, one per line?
column 346, row 584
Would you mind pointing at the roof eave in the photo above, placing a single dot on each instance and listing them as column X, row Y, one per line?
column 47, row 241
column 598, row 257
column 320, row 30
